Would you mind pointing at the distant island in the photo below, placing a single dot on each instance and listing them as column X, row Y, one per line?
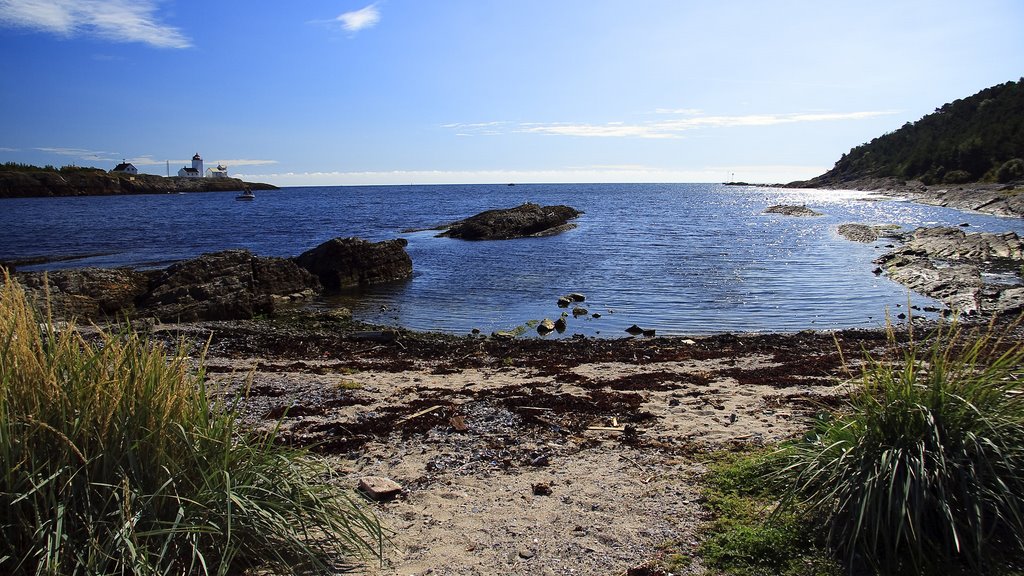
column 974, row 140
column 27, row 181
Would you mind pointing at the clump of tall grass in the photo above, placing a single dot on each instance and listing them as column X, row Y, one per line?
column 113, row 459
column 925, row 470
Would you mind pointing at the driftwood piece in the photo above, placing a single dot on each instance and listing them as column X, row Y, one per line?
column 420, row 413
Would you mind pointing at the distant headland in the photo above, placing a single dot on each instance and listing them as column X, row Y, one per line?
column 968, row 155
column 27, row 181
column 975, row 140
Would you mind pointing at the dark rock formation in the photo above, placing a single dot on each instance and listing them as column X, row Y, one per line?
column 949, row 265
column 560, row 324
column 528, row 220
column 789, row 210
column 349, row 262
column 228, row 285
column 85, row 292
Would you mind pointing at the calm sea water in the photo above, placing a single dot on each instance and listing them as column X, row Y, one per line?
column 678, row 258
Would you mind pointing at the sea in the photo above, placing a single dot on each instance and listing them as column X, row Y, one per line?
column 680, row 259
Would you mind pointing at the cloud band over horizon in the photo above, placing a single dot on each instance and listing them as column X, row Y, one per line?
column 672, row 128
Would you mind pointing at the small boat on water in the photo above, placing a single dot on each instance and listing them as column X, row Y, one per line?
column 246, row 195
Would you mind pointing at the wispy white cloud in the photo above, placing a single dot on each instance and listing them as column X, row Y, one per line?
column 114, row 20
column 245, row 162
column 477, row 128
column 684, row 111
column 80, row 153
column 676, row 127
column 150, row 161
column 5, row 149
column 361, row 19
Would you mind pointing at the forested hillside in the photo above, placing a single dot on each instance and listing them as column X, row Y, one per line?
column 976, row 139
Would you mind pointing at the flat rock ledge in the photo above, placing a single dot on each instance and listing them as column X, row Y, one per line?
column 791, row 210
column 526, row 221
column 227, row 285
column 997, row 199
column 867, row 233
column 973, row 274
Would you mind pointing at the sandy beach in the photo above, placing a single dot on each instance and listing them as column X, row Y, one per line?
column 528, row 456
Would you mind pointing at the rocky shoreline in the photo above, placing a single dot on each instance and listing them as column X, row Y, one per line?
column 227, row 285
column 997, row 199
column 972, row 273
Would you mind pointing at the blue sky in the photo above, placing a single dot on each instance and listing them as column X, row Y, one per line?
column 408, row 91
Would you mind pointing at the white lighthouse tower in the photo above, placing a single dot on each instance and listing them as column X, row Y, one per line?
column 196, row 171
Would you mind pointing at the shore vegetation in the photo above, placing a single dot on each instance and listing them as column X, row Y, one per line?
column 923, row 472
column 114, row 459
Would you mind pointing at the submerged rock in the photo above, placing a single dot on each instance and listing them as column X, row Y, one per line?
column 349, row 262
column 527, row 220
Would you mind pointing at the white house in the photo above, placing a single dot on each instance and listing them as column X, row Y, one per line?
column 196, row 171
column 125, row 168
column 221, row 171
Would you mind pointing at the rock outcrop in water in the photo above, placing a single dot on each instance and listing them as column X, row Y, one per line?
column 867, row 233
column 790, row 210
column 527, row 220
column 971, row 273
column 349, row 262
column 228, row 285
